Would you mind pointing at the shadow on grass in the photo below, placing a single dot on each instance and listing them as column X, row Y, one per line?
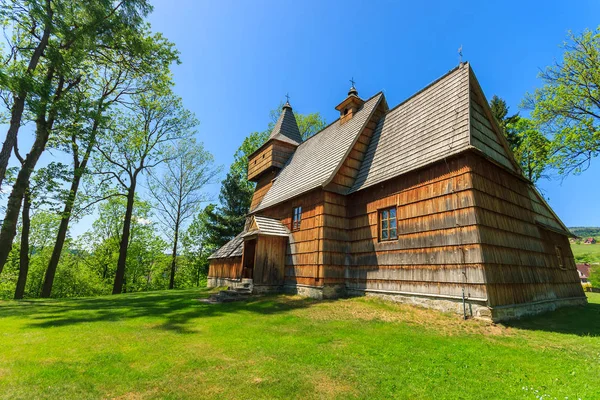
column 580, row 320
column 172, row 309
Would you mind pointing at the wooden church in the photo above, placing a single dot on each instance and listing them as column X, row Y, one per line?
column 421, row 203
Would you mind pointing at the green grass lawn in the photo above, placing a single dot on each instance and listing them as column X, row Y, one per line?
column 586, row 252
column 169, row 345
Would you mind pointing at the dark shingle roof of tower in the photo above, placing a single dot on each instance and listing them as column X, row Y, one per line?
column 286, row 128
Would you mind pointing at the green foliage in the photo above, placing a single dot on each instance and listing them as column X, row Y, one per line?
column 567, row 107
column 529, row 146
column 500, row 113
column 532, row 149
column 585, row 231
column 595, row 275
column 197, row 247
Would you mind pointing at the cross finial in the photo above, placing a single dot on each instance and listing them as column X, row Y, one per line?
column 287, row 97
column 352, row 81
column 460, row 55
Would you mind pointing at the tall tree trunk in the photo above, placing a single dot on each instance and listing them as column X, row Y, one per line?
column 174, row 258
column 24, row 251
column 13, row 205
column 120, row 274
column 16, row 112
column 63, row 228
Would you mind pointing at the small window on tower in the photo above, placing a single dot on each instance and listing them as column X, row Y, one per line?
column 296, row 218
column 345, row 111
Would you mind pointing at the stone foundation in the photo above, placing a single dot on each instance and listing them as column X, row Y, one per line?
column 474, row 308
column 213, row 282
column 266, row 289
column 317, row 292
column 515, row 311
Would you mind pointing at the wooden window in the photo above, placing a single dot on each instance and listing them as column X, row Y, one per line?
column 559, row 256
column 296, row 218
column 388, row 224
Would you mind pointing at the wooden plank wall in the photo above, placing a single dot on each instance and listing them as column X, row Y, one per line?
column 269, row 260
column 520, row 258
column 230, row 267
column 303, row 252
column 262, row 187
column 437, row 250
column 274, row 154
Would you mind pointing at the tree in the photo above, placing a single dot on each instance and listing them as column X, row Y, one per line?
column 197, row 246
column 532, row 149
column 135, row 144
column 79, row 30
column 500, row 113
column 39, row 30
column 228, row 220
column 567, row 107
column 45, row 182
column 179, row 190
column 114, row 76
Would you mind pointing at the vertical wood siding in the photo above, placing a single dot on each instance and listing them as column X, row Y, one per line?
column 519, row 254
column 230, row 267
column 274, row 154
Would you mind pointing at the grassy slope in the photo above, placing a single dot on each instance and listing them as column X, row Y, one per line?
column 586, row 252
column 169, row 345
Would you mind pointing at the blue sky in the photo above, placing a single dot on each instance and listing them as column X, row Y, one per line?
column 240, row 58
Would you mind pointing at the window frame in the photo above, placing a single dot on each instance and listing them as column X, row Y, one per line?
column 380, row 222
column 296, row 222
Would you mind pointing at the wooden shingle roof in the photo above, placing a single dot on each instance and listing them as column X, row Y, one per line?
column 233, row 248
column 286, row 128
column 316, row 159
column 266, row 226
column 427, row 127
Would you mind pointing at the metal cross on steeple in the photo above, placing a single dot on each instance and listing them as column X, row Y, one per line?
column 460, row 55
column 287, row 97
column 352, row 81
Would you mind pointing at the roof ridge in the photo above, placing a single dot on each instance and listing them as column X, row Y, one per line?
column 337, row 119
column 465, row 64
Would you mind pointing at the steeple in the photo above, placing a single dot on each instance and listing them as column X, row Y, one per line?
column 269, row 159
column 286, row 128
column 350, row 105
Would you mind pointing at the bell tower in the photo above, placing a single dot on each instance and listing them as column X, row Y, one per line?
column 266, row 162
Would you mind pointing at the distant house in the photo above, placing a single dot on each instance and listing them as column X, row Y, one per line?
column 589, row 241
column 584, row 272
column 423, row 203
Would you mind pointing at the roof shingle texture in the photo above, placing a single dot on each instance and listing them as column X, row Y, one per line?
column 268, row 226
column 233, row 248
column 427, row 127
column 316, row 159
column 286, row 128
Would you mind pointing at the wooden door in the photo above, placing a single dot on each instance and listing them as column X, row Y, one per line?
column 248, row 263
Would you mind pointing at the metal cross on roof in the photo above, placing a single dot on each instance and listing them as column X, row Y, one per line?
column 460, row 55
column 287, row 97
column 352, row 81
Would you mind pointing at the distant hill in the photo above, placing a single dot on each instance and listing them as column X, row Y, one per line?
column 585, row 231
